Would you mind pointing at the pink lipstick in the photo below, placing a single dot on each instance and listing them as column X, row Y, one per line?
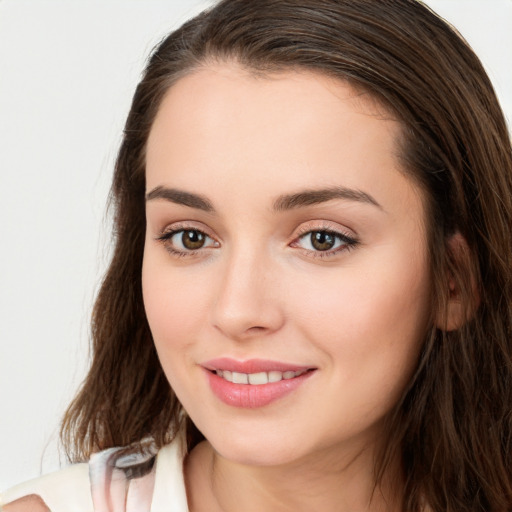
column 253, row 383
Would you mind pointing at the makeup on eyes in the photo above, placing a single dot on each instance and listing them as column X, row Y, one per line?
column 191, row 240
column 324, row 239
column 182, row 241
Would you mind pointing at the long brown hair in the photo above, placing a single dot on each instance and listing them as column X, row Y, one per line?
column 452, row 428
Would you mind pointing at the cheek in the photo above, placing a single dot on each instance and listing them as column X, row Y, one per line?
column 369, row 322
column 175, row 304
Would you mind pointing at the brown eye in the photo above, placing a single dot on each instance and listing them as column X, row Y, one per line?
column 193, row 239
column 322, row 240
column 186, row 241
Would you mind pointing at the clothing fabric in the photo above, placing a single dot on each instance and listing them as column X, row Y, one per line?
column 114, row 480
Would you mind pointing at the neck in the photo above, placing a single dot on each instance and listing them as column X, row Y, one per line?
column 327, row 483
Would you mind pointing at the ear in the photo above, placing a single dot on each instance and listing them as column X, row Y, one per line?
column 463, row 298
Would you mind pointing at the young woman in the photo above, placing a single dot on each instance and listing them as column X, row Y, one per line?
column 309, row 305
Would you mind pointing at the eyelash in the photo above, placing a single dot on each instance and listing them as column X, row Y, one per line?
column 167, row 236
column 347, row 242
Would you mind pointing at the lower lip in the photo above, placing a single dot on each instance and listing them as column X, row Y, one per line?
column 249, row 396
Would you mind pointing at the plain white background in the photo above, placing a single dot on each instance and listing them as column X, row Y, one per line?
column 67, row 73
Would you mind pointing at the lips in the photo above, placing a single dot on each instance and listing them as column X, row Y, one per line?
column 251, row 365
column 253, row 383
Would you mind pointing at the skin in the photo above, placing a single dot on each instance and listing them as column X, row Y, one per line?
column 259, row 289
column 31, row 503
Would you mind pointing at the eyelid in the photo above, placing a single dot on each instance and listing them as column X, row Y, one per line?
column 173, row 229
column 184, row 226
column 348, row 237
column 324, row 225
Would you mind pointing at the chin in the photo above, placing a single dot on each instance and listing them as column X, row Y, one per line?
column 250, row 448
column 255, row 454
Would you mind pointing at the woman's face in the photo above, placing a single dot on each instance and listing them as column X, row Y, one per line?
column 285, row 274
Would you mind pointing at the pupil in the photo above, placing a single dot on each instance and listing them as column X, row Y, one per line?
column 192, row 239
column 322, row 240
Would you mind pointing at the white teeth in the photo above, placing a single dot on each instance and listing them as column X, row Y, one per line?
column 257, row 378
column 275, row 376
column 240, row 378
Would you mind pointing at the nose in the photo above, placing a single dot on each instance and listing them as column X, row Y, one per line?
column 247, row 304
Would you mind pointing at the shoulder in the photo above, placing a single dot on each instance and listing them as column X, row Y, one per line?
column 32, row 503
column 115, row 479
column 67, row 489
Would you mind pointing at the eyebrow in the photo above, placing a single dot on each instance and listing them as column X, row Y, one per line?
column 282, row 203
column 181, row 197
column 313, row 197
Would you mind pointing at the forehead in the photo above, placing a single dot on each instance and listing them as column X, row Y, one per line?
column 289, row 129
column 231, row 91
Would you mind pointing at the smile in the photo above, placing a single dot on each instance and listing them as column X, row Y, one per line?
column 258, row 379
column 254, row 383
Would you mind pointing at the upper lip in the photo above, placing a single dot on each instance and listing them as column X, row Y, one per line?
column 252, row 365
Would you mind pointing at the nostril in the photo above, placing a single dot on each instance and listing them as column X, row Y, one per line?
column 256, row 328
